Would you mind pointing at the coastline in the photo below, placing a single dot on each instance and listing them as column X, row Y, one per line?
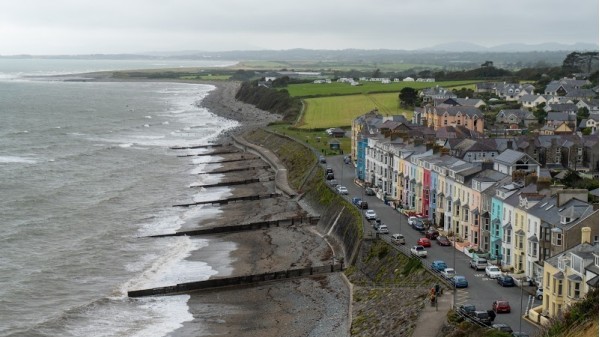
column 300, row 307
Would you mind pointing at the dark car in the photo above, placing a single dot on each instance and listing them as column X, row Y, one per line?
column 356, row 200
column 502, row 327
column 432, row 234
column 482, row 316
column 443, row 241
column 369, row 191
column 467, row 309
column 506, row 281
column 418, row 225
column 329, row 176
column 363, row 204
column 329, row 170
column 459, row 281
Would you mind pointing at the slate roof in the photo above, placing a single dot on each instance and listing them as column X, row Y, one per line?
column 563, row 107
column 510, row 157
column 560, row 116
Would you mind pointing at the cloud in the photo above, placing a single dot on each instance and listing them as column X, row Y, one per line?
column 110, row 26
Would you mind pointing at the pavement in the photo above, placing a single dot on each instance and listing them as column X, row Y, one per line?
column 432, row 318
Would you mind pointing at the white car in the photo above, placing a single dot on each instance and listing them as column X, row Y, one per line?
column 418, row 251
column 492, row 271
column 370, row 214
column 341, row 189
column 382, row 229
column 448, row 273
column 412, row 220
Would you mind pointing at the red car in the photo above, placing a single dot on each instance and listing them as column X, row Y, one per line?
column 424, row 242
column 501, row 306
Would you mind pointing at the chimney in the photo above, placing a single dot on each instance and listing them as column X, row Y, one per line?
column 586, row 235
column 509, row 144
column 564, row 196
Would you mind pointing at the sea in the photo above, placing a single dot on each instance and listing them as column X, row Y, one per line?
column 86, row 175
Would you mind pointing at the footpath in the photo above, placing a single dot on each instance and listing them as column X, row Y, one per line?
column 432, row 318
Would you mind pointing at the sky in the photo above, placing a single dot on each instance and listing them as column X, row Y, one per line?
column 51, row 27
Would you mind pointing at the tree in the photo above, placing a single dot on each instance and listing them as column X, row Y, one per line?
column 540, row 113
column 408, row 96
column 376, row 73
column 582, row 113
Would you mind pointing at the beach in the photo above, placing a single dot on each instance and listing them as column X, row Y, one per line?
column 316, row 306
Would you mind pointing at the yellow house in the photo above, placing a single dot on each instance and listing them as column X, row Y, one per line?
column 568, row 276
column 520, row 240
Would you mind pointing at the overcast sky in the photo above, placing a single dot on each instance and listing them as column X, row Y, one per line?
column 134, row 26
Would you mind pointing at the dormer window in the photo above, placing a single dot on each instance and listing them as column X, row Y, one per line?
column 565, row 220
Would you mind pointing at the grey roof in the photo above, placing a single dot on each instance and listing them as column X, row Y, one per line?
column 560, row 116
column 533, row 238
column 547, row 211
column 510, row 157
column 563, row 107
column 584, row 250
column 575, row 277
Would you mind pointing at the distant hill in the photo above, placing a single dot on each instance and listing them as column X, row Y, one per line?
column 461, row 46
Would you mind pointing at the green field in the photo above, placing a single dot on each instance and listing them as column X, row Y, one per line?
column 317, row 139
column 333, row 89
column 336, row 111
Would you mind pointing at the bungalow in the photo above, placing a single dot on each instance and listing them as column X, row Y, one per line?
column 531, row 101
column 569, row 108
column 591, row 122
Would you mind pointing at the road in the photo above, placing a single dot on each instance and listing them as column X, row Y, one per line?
column 481, row 292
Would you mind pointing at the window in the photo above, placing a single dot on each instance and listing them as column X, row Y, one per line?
column 576, row 289
column 559, row 286
column 557, row 239
column 548, row 280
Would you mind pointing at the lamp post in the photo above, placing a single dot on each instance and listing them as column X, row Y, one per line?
column 521, row 312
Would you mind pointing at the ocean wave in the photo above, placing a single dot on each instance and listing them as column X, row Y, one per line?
column 17, row 160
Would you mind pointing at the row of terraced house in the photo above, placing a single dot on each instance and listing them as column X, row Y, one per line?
column 491, row 197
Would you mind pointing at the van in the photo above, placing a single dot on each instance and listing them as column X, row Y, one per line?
column 478, row 264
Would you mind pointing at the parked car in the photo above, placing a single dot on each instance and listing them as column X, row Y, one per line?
column 443, row 241
column 322, row 160
column 478, row 263
column 329, row 176
column 370, row 214
column 506, row 281
column 432, row 234
column 412, row 220
column 539, row 293
column 501, row 306
column 438, row 265
column 482, row 316
column 467, row 309
column 424, row 242
column 341, row 189
column 332, row 183
column 346, row 160
column 363, row 204
column 398, row 239
column 492, row 271
column 369, row 191
column 355, row 200
column 418, row 225
column 419, row 251
column 502, row 327
column 382, row 229
column 459, row 281
column 329, row 170
column 448, row 273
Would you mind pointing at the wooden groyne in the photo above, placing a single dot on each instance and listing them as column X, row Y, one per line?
column 205, row 146
column 233, row 199
column 312, row 220
column 237, row 169
column 213, row 153
column 235, row 182
column 238, row 280
column 229, row 160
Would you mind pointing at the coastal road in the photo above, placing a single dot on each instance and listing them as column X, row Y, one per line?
column 481, row 292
